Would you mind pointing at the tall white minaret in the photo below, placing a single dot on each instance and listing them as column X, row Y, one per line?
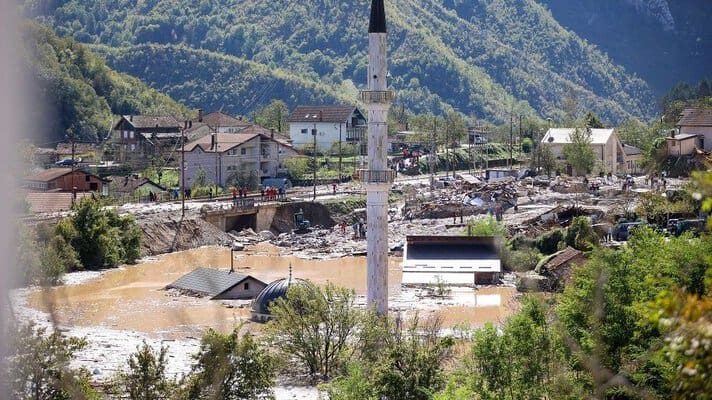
column 378, row 178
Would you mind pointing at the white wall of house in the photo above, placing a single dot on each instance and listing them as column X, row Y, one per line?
column 327, row 134
column 704, row 132
column 679, row 148
column 606, row 153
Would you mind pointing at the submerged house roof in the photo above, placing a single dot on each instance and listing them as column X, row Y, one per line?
column 448, row 259
column 209, row 282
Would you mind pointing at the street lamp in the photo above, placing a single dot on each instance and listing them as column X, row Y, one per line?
column 314, row 133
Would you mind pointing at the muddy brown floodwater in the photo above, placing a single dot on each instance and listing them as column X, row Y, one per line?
column 132, row 298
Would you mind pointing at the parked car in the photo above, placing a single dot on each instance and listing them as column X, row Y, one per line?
column 623, row 230
column 68, row 162
column 479, row 139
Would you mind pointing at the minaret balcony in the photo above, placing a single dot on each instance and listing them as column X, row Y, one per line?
column 376, row 96
column 371, row 176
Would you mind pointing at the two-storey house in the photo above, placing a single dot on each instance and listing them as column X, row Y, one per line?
column 137, row 137
column 327, row 126
column 250, row 155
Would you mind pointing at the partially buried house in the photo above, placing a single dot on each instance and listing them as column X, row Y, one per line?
column 218, row 284
column 451, row 260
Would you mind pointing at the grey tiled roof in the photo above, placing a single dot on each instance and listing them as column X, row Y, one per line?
column 208, row 281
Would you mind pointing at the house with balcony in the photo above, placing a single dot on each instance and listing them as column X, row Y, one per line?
column 242, row 158
column 327, row 126
column 137, row 137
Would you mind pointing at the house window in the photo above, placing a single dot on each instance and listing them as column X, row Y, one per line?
column 246, row 286
column 674, row 144
column 304, row 131
column 133, row 147
column 126, row 134
column 93, row 186
column 243, row 151
column 87, row 178
column 131, row 134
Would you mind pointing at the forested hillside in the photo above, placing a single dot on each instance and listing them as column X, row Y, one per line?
column 483, row 58
column 663, row 41
column 77, row 93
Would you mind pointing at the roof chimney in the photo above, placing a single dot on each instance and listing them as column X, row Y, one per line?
column 130, row 118
column 672, row 133
column 377, row 24
column 200, row 115
column 212, row 142
column 271, row 133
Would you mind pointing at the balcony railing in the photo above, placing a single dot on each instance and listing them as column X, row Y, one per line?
column 376, row 96
column 369, row 176
column 356, row 134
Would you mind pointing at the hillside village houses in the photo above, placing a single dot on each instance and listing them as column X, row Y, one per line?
column 605, row 143
column 251, row 154
column 334, row 125
column 137, row 137
column 694, row 131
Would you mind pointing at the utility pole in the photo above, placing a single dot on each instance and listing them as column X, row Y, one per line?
column 314, row 133
column 70, row 133
column 340, row 153
column 520, row 135
column 511, row 133
column 433, row 152
column 182, row 169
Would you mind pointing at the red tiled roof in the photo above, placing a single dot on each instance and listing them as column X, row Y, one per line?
column 219, row 119
column 696, row 117
column 49, row 175
column 225, row 141
column 45, row 202
column 562, row 258
column 322, row 114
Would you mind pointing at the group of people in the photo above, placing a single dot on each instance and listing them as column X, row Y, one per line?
column 272, row 193
column 655, row 182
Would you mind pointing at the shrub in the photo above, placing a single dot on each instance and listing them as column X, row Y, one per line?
column 548, row 243
column 580, row 234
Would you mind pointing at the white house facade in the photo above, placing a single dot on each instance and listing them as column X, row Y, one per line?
column 333, row 125
column 605, row 143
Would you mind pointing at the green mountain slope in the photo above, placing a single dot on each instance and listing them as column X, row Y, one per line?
column 663, row 41
column 481, row 57
column 78, row 92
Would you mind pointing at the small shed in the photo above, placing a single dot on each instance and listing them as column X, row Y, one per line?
column 558, row 267
column 218, row 284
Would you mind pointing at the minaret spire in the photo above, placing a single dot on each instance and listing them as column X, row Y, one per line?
column 378, row 178
column 378, row 17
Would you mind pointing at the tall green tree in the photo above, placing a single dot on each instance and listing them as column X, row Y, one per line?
column 100, row 237
column 314, row 326
column 39, row 366
column 145, row 377
column 578, row 151
column 232, row 367
column 273, row 116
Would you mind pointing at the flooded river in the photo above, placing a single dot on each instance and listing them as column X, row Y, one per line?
column 133, row 299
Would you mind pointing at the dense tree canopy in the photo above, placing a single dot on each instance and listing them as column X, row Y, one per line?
column 485, row 58
column 81, row 94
